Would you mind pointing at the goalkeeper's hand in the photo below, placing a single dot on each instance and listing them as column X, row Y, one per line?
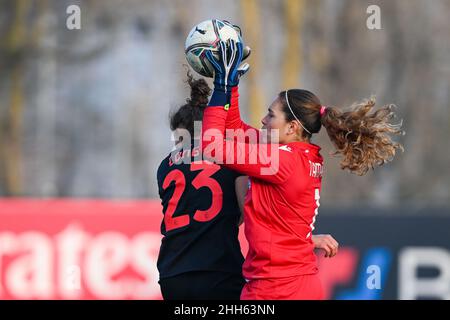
column 227, row 69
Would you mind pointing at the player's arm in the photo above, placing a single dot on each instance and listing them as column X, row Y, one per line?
column 234, row 120
column 241, row 186
column 269, row 162
column 326, row 243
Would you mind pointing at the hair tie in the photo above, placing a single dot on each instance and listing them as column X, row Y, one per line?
column 323, row 109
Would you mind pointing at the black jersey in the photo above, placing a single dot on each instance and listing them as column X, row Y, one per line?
column 201, row 216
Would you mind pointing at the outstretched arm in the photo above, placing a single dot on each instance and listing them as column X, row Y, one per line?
column 269, row 162
column 234, row 120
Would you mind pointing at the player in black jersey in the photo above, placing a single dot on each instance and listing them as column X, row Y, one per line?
column 200, row 255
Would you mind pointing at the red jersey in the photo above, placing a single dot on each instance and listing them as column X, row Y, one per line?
column 280, row 208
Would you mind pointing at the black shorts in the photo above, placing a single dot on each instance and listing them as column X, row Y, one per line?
column 202, row 285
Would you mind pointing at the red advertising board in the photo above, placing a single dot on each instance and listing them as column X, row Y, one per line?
column 79, row 249
column 107, row 249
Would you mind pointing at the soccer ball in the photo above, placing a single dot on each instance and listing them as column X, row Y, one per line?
column 206, row 36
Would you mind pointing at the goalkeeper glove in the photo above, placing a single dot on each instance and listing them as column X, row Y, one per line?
column 226, row 67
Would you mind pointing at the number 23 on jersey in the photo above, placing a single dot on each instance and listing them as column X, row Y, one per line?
column 203, row 179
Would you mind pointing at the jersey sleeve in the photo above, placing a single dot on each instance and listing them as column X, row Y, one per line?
column 234, row 120
column 273, row 163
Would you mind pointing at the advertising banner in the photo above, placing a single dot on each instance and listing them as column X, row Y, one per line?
column 106, row 249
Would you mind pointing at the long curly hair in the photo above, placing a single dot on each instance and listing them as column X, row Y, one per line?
column 361, row 135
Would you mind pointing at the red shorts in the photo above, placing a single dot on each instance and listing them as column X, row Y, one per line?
column 304, row 287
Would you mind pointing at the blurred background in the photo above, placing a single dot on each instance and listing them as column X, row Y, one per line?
column 84, row 119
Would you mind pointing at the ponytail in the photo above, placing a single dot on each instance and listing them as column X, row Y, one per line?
column 200, row 92
column 360, row 137
column 192, row 110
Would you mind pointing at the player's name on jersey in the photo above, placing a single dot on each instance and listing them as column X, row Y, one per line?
column 315, row 169
column 184, row 155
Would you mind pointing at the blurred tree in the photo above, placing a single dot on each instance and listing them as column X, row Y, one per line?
column 253, row 35
column 14, row 51
column 293, row 19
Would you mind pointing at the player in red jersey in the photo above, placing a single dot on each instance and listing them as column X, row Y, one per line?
column 283, row 199
column 200, row 256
